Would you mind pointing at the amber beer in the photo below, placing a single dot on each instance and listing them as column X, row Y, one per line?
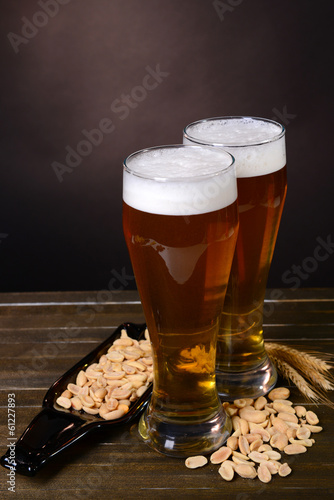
column 180, row 224
column 258, row 145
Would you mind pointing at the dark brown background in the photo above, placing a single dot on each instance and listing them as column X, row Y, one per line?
column 254, row 57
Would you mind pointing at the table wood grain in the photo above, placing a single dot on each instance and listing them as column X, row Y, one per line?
column 43, row 334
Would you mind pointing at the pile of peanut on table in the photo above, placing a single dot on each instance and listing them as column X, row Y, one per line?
column 264, row 430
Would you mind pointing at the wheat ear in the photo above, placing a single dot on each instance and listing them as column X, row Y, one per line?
column 309, row 365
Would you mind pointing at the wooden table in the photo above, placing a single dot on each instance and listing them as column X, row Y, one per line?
column 44, row 334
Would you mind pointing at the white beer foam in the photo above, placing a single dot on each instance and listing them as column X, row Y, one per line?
column 253, row 143
column 186, row 180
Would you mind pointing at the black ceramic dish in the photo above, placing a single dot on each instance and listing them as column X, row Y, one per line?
column 56, row 428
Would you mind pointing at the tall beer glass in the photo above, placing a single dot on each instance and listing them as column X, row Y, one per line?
column 180, row 223
column 258, row 145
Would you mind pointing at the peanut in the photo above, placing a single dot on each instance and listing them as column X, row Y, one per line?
column 272, row 466
column 220, row 455
column 258, row 457
column 294, row 449
column 302, row 433
column 255, row 416
column 264, row 473
column 280, row 425
column 76, row 403
column 288, row 417
column 279, row 441
column 284, row 401
column 281, row 407
column 253, row 437
column 226, row 470
column 243, row 445
column 64, row 402
column 113, row 415
column 264, row 447
column 305, row 442
column 292, row 433
column 279, row 393
column 245, row 470
column 261, row 432
column 89, row 409
column 313, row 428
column 256, row 445
column 81, row 378
column 244, row 427
column 232, row 442
column 300, row 411
column 240, row 403
column 260, row 403
column 311, row 418
column 284, row 470
column 273, row 455
column 195, row 462
column 237, row 454
column 238, row 460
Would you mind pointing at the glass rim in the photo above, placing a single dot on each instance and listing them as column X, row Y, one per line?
column 203, row 142
column 221, row 170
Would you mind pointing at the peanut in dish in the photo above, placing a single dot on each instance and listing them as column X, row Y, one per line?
column 120, row 377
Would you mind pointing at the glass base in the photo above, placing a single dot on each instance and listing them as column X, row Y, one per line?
column 248, row 384
column 186, row 439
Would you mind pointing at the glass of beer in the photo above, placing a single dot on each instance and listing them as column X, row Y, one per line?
column 258, row 146
column 180, row 222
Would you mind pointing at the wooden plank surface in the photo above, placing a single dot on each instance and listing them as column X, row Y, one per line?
column 44, row 334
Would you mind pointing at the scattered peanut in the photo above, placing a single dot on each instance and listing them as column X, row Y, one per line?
column 313, row 428
column 232, row 443
column 108, row 388
column 305, row 442
column 260, row 403
column 273, row 466
column 226, row 471
column 279, row 393
column 273, row 455
column 300, row 411
column 194, row 462
column 311, row 418
column 243, row 445
column 245, row 470
column 264, row 473
column 221, row 455
column 255, row 445
column 252, row 415
column 282, row 407
column 263, row 431
column 284, row 470
column 294, row 449
column 302, row 433
column 258, row 457
column 279, row 441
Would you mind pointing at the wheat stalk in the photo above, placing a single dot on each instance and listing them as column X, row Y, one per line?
column 298, row 366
